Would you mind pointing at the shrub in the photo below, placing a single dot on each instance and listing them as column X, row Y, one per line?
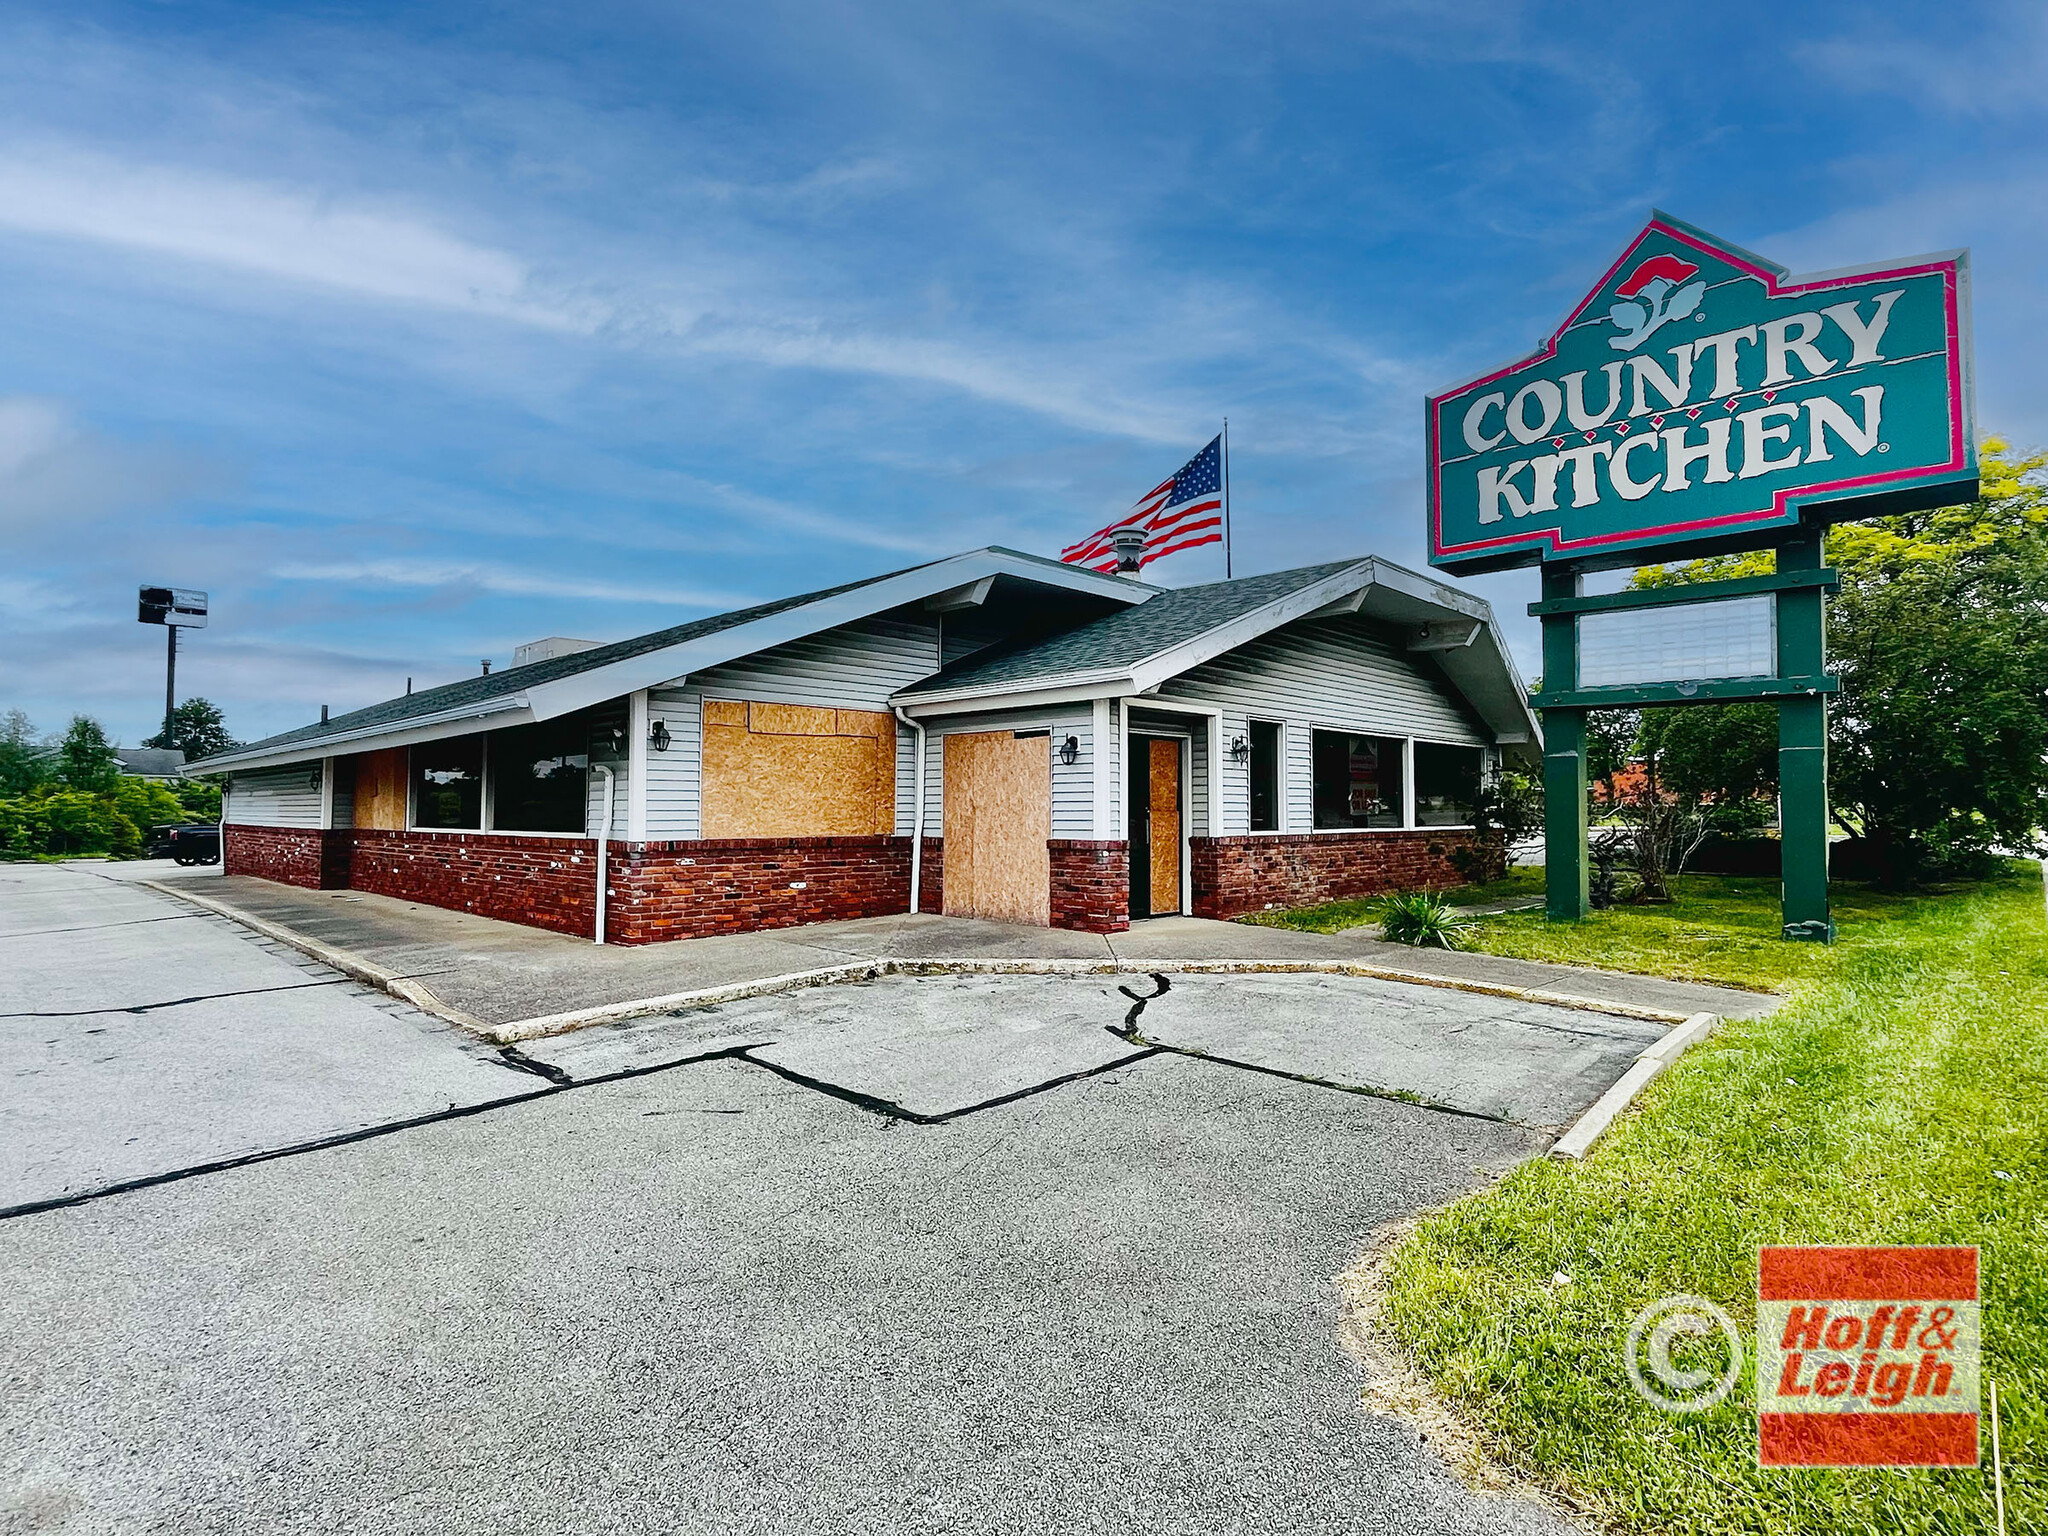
column 1421, row 918
column 64, row 822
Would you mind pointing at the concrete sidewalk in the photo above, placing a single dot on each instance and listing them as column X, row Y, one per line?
column 501, row 973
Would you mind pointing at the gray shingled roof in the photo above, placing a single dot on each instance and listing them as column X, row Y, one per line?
column 512, row 680
column 1126, row 638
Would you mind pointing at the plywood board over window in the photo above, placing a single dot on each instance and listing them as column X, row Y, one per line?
column 787, row 770
column 998, row 816
column 380, row 790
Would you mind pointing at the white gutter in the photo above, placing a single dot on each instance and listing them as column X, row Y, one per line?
column 405, row 732
column 604, row 832
column 917, row 815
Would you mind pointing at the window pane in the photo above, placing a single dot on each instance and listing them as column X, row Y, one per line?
column 1265, row 776
column 1357, row 780
column 1446, row 785
column 448, row 784
column 538, row 776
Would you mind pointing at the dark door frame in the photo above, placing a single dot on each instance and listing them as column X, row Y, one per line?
column 1138, row 815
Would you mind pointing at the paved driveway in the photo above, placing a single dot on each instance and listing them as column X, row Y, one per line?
column 1002, row 1254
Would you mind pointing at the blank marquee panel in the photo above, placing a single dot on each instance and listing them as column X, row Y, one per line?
column 1736, row 637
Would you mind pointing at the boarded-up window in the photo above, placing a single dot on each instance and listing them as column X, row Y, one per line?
column 787, row 770
column 380, row 790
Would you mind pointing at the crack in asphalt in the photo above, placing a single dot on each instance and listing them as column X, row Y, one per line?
column 558, row 1080
column 349, row 1138
column 176, row 1002
column 1129, row 1031
column 890, row 1110
column 132, row 922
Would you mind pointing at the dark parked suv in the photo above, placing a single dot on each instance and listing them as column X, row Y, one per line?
column 194, row 843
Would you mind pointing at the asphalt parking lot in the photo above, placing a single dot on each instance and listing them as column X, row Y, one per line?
column 1005, row 1253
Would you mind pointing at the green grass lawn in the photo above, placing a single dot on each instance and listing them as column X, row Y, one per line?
column 1900, row 1095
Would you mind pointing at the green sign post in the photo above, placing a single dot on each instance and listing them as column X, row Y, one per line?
column 1698, row 401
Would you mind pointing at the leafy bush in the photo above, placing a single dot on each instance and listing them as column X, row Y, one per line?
column 65, row 822
column 1421, row 918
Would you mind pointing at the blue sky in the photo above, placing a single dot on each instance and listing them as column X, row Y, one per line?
column 415, row 332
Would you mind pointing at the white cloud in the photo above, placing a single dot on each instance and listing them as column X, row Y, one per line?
column 56, row 473
column 386, row 252
column 400, row 572
column 289, row 233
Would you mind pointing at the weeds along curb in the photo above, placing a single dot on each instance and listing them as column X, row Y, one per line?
column 544, row 1025
column 1578, row 1141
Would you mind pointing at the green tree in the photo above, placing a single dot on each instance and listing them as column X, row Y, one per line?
column 85, row 758
column 197, row 729
column 25, row 759
column 1938, row 741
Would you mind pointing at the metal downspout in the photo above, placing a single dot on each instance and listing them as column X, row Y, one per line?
column 604, row 832
column 917, row 813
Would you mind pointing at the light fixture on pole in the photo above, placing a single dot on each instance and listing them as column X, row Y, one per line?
column 175, row 608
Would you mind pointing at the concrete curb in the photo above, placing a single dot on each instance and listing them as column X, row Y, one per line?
column 351, row 965
column 544, row 1025
column 1578, row 1141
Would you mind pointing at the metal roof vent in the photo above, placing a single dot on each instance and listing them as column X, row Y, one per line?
column 550, row 648
column 1129, row 544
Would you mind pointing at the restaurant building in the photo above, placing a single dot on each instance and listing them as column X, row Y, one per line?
column 991, row 735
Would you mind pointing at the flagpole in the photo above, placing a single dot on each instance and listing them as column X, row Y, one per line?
column 1227, row 575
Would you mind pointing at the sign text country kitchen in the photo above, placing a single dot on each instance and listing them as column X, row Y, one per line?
column 1696, row 395
column 1699, row 401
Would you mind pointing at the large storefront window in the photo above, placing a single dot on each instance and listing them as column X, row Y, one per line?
column 538, row 776
column 1446, row 785
column 1357, row 780
column 448, row 784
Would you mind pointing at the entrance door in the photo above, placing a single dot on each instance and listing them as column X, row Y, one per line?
column 998, row 815
column 1154, row 821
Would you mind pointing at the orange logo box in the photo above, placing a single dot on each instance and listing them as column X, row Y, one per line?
column 1867, row 1357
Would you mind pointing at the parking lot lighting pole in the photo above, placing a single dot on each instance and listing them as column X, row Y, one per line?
column 170, row 681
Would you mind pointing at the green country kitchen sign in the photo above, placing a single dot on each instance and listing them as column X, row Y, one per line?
column 1697, row 399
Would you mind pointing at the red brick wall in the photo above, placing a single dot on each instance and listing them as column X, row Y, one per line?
column 1091, row 885
column 1235, row 875
column 685, row 890
column 294, row 855
column 547, row 882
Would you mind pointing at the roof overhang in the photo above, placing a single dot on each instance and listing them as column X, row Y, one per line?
column 955, row 582
column 1456, row 629
column 490, row 714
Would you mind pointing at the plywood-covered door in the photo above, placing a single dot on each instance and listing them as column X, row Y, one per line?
column 1153, row 814
column 1164, row 836
column 998, row 798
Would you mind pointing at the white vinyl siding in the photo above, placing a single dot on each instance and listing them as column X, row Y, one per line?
column 276, row 797
column 672, row 776
column 1334, row 674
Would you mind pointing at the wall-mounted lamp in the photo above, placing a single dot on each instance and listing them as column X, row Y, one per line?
column 1240, row 750
column 313, row 779
column 1070, row 751
column 657, row 735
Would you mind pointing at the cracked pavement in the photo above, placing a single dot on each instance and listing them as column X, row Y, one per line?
column 922, row 1253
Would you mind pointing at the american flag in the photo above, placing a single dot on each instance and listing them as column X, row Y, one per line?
column 1176, row 514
